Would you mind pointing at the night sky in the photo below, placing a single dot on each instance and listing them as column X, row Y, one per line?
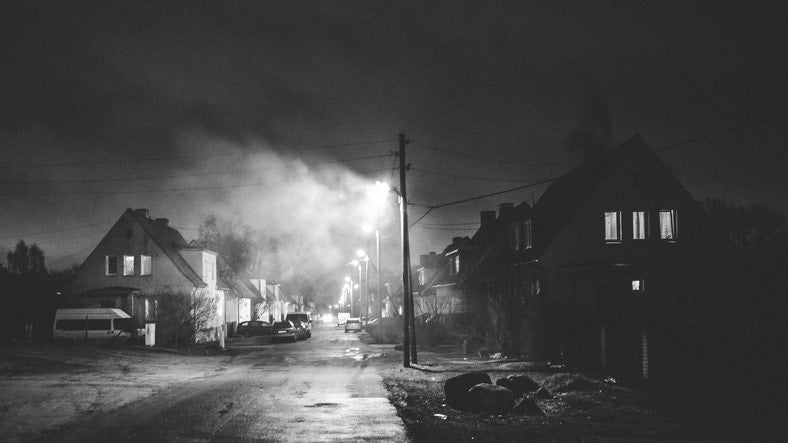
column 283, row 114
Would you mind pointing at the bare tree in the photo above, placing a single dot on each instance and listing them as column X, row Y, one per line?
column 26, row 259
column 182, row 316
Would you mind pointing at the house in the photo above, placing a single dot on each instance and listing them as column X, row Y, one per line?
column 140, row 261
column 242, row 300
column 615, row 266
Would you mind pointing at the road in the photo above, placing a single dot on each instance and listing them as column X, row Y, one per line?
column 321, row 389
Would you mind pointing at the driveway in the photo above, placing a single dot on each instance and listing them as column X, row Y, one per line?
column 323, row 389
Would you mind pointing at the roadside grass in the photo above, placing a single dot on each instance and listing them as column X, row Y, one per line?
column 583, row 408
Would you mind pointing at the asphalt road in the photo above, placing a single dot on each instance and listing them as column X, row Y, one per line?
column 322, row 389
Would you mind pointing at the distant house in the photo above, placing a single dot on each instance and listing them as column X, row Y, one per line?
column 142, row 259
column 616, row 266
column 243, row 301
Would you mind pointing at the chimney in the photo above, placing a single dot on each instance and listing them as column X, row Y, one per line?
column 433, row 257
column 504, row 209
column 424, row 260
column 163, row 221
column 456, row 240
column 142, row 212
column 487, row 218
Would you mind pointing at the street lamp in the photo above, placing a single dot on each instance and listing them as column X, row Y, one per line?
column 379, row 298
column 349, row 286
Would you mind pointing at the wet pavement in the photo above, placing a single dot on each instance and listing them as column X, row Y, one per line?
column 323, row 389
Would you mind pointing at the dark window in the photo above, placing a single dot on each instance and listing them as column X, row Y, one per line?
column 70, row 325
column 111, row 265
column 99, row 324
column 123, row 324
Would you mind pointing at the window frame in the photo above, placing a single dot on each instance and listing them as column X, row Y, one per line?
column 126, row 271
column 106, row 265
column 143, row 268
column 528, row 234
column 454, row 264
column 618, row 232
column 643, row 224
column 673, row 225
column 516, row 236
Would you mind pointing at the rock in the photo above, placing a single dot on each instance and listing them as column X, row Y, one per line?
column 526, row 406
column 543, row 393
column 519, row 384
column 456, row 388
column 490, row 398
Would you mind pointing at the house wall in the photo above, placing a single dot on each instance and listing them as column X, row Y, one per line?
column 685, row 282
column 164, row 277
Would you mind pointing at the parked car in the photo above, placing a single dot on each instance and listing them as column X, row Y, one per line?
column 353, row 324
column 303, row 317
column 92, row 325
column 255, row 327
column 302, row 332
column 283, row 331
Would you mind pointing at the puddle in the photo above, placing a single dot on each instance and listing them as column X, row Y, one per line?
column 322, row 405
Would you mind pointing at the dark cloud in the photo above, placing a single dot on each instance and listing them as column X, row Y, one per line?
column 516, row 81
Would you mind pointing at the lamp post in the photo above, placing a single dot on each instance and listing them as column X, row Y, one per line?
column 350, row 292
column 378, row 305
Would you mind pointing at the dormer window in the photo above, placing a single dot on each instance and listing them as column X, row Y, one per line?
column 612, row 227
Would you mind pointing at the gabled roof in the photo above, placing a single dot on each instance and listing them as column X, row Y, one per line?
column 169, row 240
column 565, row 196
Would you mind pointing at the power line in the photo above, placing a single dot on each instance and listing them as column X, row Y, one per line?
column 673, row 146
column 243, row 171
column 185, row 188
column 183, row 157
column 447, row 229
column 495, row 193
column 466, row 176
column 75, row 253
column 50, row 232
column 492, row 159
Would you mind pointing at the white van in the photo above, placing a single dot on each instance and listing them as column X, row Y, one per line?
column 303, row 317
column 92, row 325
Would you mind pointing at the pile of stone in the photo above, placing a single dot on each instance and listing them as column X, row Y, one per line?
column 475, row 392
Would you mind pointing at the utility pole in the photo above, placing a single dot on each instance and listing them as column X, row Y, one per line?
column 379, row 300
column 408, row 328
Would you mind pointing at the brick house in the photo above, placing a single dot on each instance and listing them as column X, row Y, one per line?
column 616, row 266
column 142, row 259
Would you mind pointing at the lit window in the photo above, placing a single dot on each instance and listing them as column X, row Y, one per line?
column 639, row 225
column 128, row 265
column 111, row 265
column 454, row 265
column 517, row 236
column 637, row 285
column 667, row 224
column 529, row 239
column 145, row 265
column 612, row 226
